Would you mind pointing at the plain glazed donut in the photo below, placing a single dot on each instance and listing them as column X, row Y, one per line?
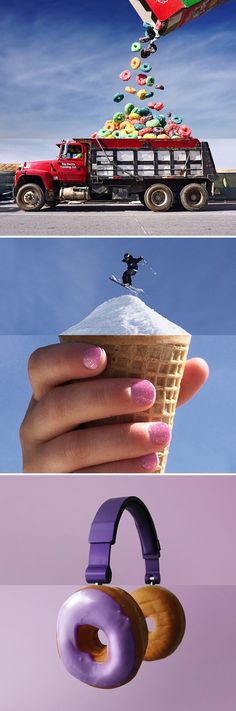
column 119, row 616
column 167, row 614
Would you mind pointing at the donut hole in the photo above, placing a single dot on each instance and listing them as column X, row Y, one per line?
column 102, row 637
column 151, row 624
column 93, row 641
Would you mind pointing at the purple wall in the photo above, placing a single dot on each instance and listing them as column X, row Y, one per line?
column 45, row 521
column 200, row 676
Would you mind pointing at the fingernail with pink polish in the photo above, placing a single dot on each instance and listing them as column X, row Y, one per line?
column 92, row 357
column 143, row 392
column 149, row 462
column 159, row 434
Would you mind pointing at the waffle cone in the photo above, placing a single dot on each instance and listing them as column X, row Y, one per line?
column 160, row 359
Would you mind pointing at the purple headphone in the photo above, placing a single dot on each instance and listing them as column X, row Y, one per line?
column 103, row 535
column 120, row 615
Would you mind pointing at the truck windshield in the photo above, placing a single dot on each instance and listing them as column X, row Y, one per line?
column 71, row 151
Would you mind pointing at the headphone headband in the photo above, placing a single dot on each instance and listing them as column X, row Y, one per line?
column 103, row 535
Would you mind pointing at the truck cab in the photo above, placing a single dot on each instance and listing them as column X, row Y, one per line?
column 72, row 162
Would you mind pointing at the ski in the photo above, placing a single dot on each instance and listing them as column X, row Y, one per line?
column 126, row 286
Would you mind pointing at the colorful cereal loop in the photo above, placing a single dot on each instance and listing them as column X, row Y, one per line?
column 150, row 81
column 136, row 47
column 103, row 133
column 142, row 94
column 145, row 67
column 118, row 97
column 118, row 117
column 177, row 119
column 135, row 63
column 130, row 90
column 129, row 108
column 141, row 79
column 125, row 75
column 184, row 132
column 109, row 125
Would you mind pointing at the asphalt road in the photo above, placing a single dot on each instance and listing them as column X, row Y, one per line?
column 118, row 220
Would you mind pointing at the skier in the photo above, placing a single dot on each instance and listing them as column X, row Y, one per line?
column 132, row 267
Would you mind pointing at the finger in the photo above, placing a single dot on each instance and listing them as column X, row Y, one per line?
column 195, row 375
column 62, row 362
column 64, row 408
column 90, row 447
column 147, row 463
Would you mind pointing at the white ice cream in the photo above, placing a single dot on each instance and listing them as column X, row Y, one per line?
column 126, row 315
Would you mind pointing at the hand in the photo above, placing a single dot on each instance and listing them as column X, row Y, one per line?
column 66, row 395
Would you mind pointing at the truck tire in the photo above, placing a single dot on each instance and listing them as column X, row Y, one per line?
column 30, row 197
column 159, row 198
column 194, row 197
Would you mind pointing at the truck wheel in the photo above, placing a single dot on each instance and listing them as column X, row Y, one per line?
column 30, row 197
column 159, row 198
column 194, row 197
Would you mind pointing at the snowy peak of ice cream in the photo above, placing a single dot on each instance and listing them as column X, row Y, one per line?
column 125, row 315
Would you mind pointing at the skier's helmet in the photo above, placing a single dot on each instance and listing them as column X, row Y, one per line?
column 126, row 255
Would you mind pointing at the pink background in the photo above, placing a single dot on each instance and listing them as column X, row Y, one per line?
column 200, row 676
column 45, row 521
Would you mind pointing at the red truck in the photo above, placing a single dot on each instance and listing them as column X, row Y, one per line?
column 160, row 172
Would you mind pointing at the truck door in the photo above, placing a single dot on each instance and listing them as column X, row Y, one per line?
column 72, row 164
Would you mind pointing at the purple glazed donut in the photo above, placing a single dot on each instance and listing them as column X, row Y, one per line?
column 109, row 609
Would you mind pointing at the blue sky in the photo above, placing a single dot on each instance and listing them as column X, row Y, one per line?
column 60, row 66
column 204, row 433
column 48, row 285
